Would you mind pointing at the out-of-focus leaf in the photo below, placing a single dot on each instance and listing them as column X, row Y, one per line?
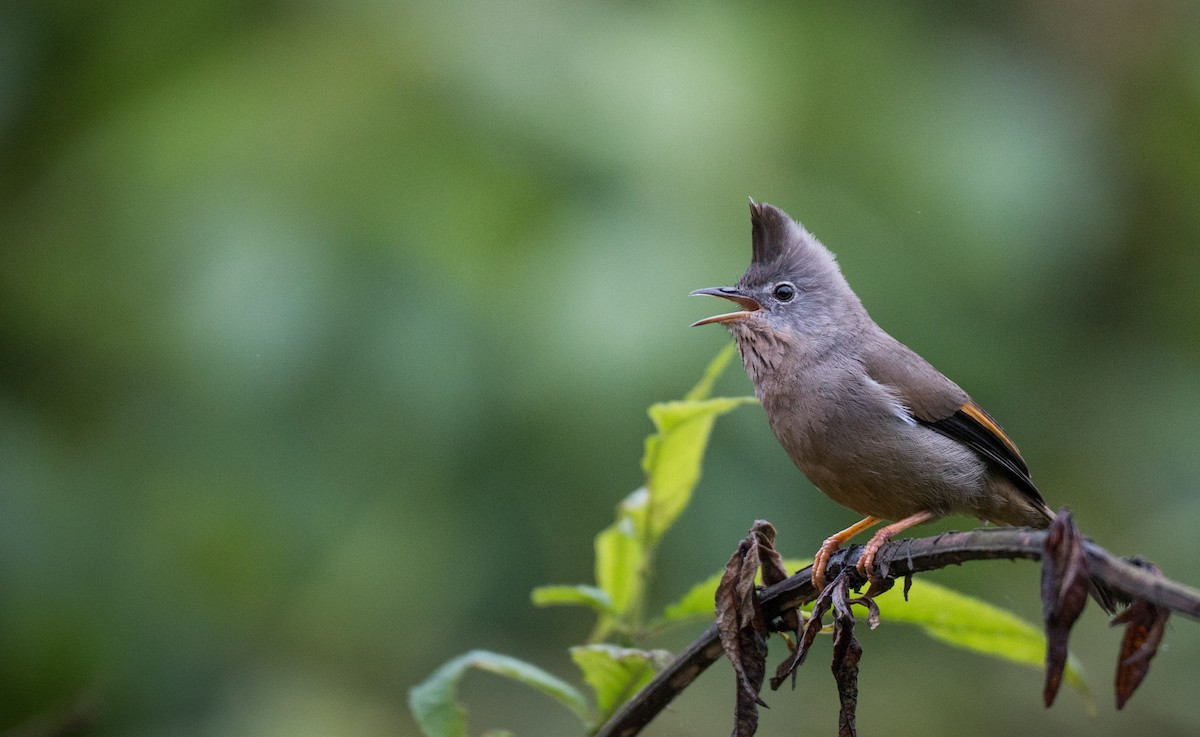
column 695, row 604
column 577, row 595
column 971, row 624
column 1064, row 592
column 621, row 555
column 437, row 712
column 616, row 673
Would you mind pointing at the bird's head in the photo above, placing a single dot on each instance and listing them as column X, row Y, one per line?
column 793, row 287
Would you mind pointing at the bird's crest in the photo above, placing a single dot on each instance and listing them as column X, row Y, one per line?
column 770, row 230
column 782, row 248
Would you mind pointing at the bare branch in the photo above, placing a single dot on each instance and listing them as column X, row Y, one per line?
column 897, row 560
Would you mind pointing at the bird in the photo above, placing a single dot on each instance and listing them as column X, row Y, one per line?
column 871, row 423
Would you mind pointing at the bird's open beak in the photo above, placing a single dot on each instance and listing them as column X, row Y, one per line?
column 733, row 294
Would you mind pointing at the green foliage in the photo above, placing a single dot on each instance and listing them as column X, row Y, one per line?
column 624, row 564
column 580, row 595
column 671, row 462
column 616, row 673
column 971, row 624
column 279, row 276
column 624, row 558
column 697, row 603
column 433, row 705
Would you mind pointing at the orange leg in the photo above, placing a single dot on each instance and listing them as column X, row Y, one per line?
column 832, row 543
column 867, row 560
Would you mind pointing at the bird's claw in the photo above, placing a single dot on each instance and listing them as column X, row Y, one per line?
column 821, row 561
column 866, row 562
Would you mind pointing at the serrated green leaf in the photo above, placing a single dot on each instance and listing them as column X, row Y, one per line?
column 616, row 673
column 577, row 595
column 438, row 714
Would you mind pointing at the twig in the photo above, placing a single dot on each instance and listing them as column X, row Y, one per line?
column 898, row 559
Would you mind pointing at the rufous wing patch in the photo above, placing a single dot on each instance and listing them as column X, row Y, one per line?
column 975, row 412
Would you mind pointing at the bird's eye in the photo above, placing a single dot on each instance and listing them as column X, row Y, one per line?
column 784, row 292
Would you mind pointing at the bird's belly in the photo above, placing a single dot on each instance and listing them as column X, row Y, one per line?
column 887, row 467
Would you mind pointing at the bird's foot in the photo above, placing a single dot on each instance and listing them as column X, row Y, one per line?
column 821, row 561
column 866, row 561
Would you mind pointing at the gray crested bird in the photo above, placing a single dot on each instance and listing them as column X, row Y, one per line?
column 871, row 424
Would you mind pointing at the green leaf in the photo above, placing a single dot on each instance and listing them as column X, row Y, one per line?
column 621, row 555
column 577, row 595
column 698, row 602
column 716, row 367
column 616, row 673
column 971, row 624
column 671, row 462
column 437, row 713
column 674, row 453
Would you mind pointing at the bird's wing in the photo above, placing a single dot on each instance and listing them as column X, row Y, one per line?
column 975, row 428
column 941, row 405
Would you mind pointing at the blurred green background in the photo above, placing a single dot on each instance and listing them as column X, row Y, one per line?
column 327, row 330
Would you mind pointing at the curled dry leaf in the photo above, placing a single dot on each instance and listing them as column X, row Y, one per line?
column 773, row 570
column 739, row 621
column 1064, row 592
column 805, row 639
column 846, row 654
column 740, row 624
column 1145, row 624
column 868, row 600
column 846, row 650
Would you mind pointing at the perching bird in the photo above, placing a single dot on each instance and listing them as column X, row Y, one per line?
column 868, row 421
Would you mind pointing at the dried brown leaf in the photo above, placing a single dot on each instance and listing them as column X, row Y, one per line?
column 868, row 601
column 1064, row 593
column 1145, row 624
column 740, row 624
column 846, row 654
column 739, row 621
column 806, row 637
column 773, row 570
